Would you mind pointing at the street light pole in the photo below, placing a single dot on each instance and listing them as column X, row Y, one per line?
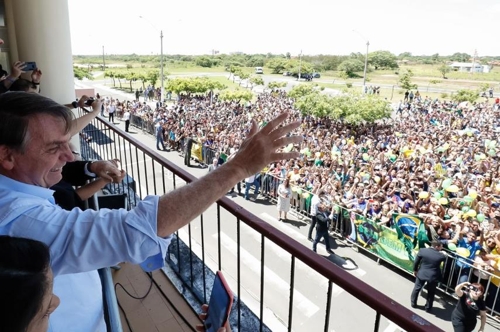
column 366, row 58
column 103, row 61
column 161, row 67
column 366, row 65
column 161, row 58
column 300, row 64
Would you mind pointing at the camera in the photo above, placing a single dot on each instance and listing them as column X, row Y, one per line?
column 89, row 102
column 468, row 288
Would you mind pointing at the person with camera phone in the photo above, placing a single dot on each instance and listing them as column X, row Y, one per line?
column 470, row 304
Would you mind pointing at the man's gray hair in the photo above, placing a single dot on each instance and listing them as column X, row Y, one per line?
column 16, row 110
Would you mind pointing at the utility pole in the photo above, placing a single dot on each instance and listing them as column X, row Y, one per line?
column 300, row 64
column 161, row 57
column 103, row 61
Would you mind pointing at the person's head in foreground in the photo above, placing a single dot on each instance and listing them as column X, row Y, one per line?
column 25, row 285
column 34, row 138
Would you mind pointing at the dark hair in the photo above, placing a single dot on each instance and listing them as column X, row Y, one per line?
column 22, row 85
column 17, row 108
column 436, row 243
column 23, row 281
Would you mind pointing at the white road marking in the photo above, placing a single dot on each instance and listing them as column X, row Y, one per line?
column 302, row 303
column 393, row 328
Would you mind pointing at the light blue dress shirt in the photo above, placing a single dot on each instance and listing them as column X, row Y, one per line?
column 80, row 243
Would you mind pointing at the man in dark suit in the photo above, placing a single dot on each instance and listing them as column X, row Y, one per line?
column 322, row 225
column 427, row 269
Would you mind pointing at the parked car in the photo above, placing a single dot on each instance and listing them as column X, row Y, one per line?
column 259, row 70
column 306, row 76
column 316, row 75
column 286, row 73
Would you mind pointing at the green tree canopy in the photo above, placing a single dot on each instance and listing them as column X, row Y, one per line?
column 255, row 80
column 276, row 85
column 350, row 67
column 236, row 95
column 349, row 107
column 444, row 69
column 465, row 95
column 193, row 85
column 81, row 73
column 405, row 80
column 277, row 65
column 382, row 60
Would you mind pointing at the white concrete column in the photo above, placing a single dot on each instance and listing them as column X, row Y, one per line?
column 11, row 31
column 43, row 35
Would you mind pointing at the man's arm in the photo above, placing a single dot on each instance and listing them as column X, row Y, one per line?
column 416, row 265
column 177, row 208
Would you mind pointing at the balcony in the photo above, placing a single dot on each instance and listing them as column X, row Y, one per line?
column 296, row 292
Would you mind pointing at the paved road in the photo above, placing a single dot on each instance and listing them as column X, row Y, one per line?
column 347, row 313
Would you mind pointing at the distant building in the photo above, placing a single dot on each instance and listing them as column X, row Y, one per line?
column 470, row 67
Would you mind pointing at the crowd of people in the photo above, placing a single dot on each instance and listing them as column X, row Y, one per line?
column 433, row 158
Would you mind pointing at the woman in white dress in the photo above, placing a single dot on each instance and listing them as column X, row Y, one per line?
column 284, row 194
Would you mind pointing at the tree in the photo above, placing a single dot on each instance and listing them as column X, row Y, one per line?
column 405, row 80
column 236, row 95
column 277, row 65
column 276, row 85
column 465, row 95
column 193, row 85
column 111, row 74
column 243, row 76
column 294, row 65
column 444, row 69
column 255, row 80
column 404, row 55
column 349, row 107
column 462, row 57
column 204, row 61
column 120, row 75
column 301, row 90
column 81, row 73
column 435, row 57
column 350, row 67
column 131, row 77
column 152, row 76
column 382, row 59
column 143, row 78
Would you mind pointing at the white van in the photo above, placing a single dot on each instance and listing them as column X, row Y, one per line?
column 259, row 70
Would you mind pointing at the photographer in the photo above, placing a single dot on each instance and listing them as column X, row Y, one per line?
column 470, row 303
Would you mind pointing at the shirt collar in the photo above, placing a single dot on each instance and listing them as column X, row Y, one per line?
column 13, row 185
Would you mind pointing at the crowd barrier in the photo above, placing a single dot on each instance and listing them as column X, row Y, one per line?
column 397, row 245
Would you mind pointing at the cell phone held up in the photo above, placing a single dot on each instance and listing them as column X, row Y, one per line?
column 469, row 288
column 219, row 307
column 29, row 66
column 89, row 101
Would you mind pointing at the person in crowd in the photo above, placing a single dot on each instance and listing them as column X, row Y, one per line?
column 470, row 304
column 126, row 118
column 26, row 283
column 315, row 201
column 159, row 136
column 427, row 270
column 213, row 166
column 322, row 225
column 284, row 195
column 252, row 180
column 111, row 112
column 78, row 238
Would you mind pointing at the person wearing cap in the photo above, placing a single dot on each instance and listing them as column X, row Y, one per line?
column 427, row 270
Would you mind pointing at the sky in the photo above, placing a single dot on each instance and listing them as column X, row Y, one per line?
column 422, row 27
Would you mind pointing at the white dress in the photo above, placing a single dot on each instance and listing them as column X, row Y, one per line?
column 284, row 203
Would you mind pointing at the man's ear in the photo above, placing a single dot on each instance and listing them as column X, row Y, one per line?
column 6, row 158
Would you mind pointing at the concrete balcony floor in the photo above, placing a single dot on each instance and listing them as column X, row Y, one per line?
column 154, row 313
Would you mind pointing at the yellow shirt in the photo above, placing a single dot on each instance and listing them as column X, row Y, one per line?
column 496, row 279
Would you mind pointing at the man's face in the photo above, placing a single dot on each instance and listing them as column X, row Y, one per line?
column 47, row 151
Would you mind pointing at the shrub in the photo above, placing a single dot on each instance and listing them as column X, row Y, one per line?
column 348, row 85
column 444, row 95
